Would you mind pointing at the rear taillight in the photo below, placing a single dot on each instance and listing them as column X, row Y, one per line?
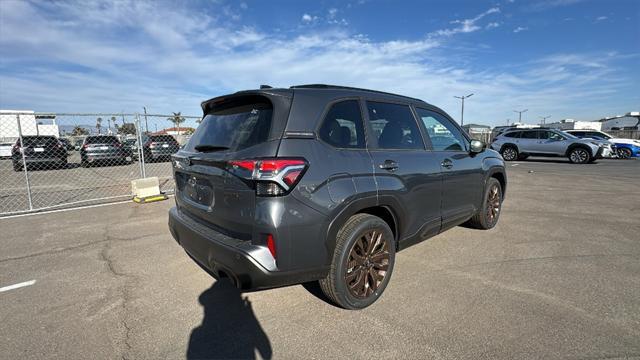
column 85, row 146
column 271, row 245
column 152, row 145
column 273, row 177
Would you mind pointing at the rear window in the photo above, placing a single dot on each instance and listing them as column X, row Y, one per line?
column 162, row 138
column 40, row 140
column 102, row 140
column 243, row 124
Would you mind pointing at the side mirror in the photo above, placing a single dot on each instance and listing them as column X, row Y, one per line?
column 476, row 146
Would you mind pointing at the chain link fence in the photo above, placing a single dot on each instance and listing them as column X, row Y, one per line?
column 56, row 160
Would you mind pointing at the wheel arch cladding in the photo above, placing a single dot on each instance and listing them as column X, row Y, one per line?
column 386, row 214
column 574, row 146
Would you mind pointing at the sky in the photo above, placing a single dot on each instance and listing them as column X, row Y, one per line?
column 559, row 58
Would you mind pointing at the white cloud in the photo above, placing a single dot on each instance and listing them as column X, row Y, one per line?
column 307, row 18
column 175, row 67
column 466, row 25
column 601, row 18
column 492, row 25
column 519, row 29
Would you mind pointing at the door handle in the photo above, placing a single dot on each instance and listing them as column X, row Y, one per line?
column 447, row 164
column 389, row 165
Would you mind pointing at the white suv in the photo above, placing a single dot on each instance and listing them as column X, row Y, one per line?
column 518, row 144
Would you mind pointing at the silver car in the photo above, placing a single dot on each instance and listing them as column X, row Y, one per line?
column 518, row 144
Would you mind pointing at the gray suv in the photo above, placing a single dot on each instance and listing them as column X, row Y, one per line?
column 325, row 183
column 520, row 144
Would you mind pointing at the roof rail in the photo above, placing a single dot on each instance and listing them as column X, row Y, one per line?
column 338, row 87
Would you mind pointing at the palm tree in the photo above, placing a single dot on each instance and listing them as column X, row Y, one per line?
column 98, row 124
column 177, row 119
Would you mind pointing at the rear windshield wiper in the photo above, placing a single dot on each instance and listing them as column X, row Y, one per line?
column 209, row 148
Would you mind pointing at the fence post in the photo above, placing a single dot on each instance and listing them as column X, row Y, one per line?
column 24, row 163
column 143, row 171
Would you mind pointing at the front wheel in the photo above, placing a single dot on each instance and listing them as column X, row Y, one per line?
column 362, row 262
column 579, row 156
column 487, row 217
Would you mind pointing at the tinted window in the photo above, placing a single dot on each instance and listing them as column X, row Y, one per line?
column 579, row 133
column 235, row 127
column 101, row 140
column 40, row 141
column 342, row 126
column 162, row 138
column 597, row 135
column 513, row 134
column 443, row 134
column 550, row 135
column 529, row 135
column 394, row 126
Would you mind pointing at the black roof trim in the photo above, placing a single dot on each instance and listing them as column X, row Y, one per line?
column 338, row 87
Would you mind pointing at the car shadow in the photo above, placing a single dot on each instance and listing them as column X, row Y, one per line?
column 229, row 329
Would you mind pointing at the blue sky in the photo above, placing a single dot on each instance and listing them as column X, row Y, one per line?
column 564, row 58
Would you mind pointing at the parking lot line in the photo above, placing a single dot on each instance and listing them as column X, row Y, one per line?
column 17, row 286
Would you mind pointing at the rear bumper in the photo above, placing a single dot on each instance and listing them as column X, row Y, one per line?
column 218, row 254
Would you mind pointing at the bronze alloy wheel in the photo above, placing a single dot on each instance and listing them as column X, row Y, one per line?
column 367, row 264
column 493, row 204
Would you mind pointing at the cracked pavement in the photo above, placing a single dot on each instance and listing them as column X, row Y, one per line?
column 558, row 278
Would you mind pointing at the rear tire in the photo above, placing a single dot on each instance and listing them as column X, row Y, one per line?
column 362, row 262
column 17, row 166
column 579, row 155
column 489, row 214
column 509, row 153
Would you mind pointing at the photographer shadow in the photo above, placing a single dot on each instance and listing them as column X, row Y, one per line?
column 229, row 329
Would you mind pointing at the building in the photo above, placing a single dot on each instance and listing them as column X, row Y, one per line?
column 629, row 121
column 176, row 131
column 476, row 128
column 30, row 124
column 570, row 124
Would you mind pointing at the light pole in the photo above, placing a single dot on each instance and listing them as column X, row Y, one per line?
column 544, row 119
column 462, row 113
column 508, row 122
column 520, row 114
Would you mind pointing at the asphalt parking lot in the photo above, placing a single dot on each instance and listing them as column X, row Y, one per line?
column 73, row 184
column 559, row 277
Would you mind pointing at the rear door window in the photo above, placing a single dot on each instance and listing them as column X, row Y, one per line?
column 513, row 134
column 394, row 126
column 238, row 127
column 342, row 126
column 529, row 134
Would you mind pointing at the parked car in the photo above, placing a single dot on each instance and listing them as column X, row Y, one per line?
column 45, row 152
column 624, row 148
column 78, row 144
column 324, row 183
column 104, row 149
column 5, row 150
column 522, row 143
column 66, row 143
column 132, row 144
column 159, row 147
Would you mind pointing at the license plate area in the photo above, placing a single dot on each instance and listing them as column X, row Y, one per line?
column 196, row 190
column 38, row 149
column 104, row 148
